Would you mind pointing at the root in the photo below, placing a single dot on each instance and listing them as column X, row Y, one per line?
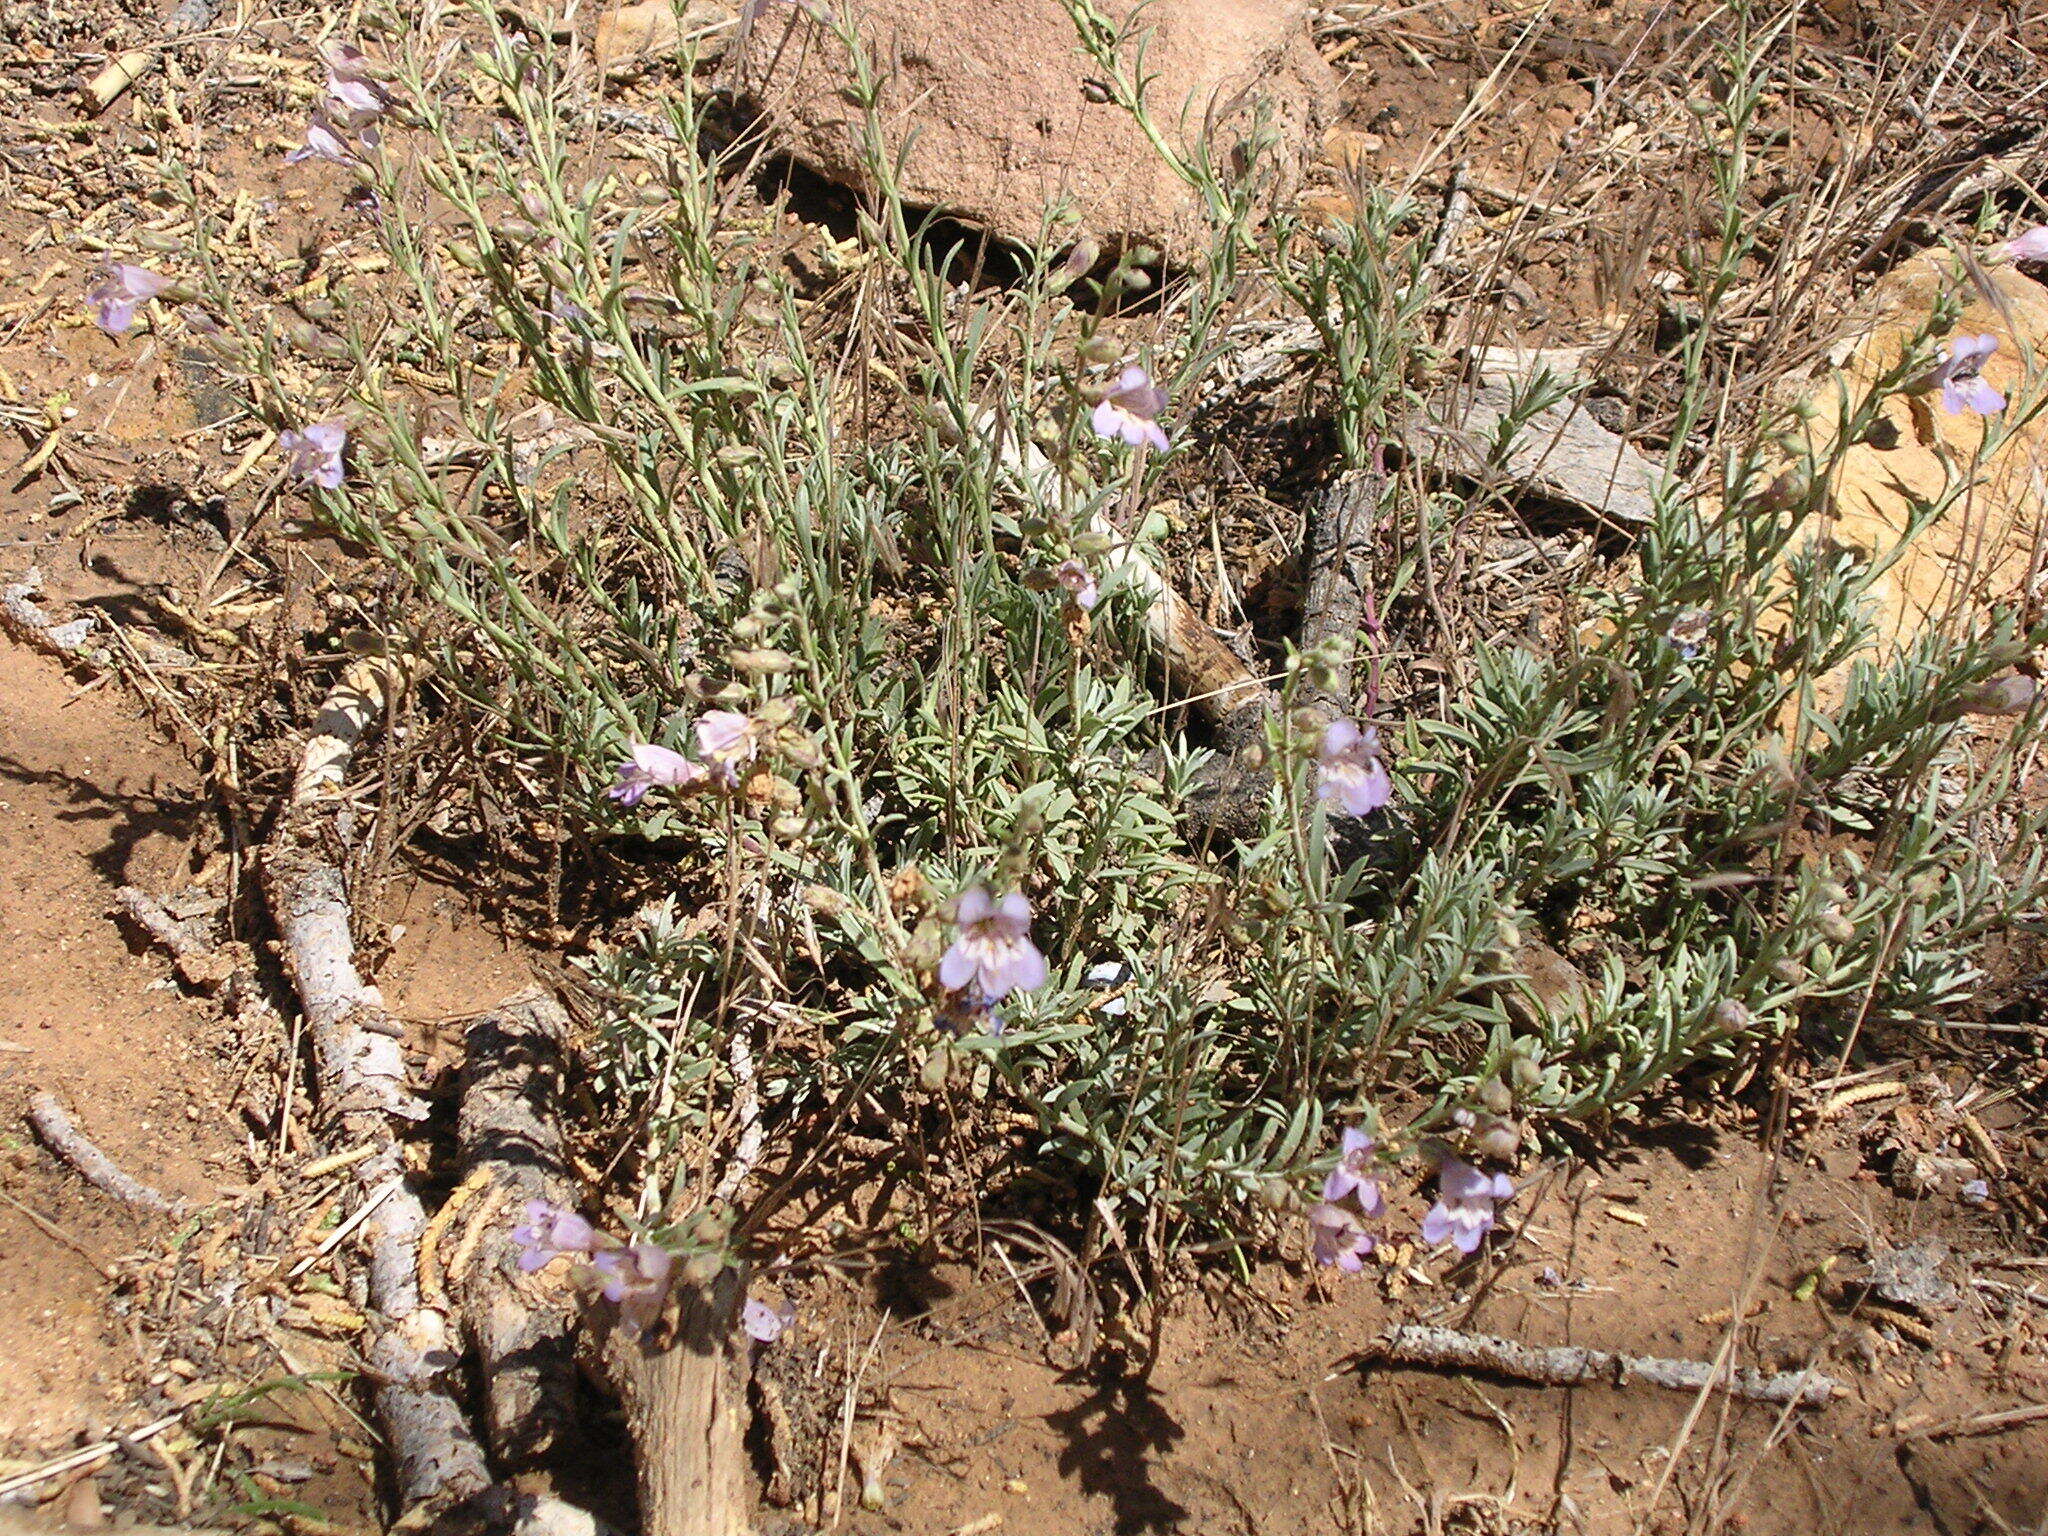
column 98, row 1170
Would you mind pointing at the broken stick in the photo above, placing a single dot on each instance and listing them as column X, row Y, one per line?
column 364, row 1092
column 1448, row 1349
column 70, row 1143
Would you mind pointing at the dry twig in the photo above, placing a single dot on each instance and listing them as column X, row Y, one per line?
column 1448, row 1349
column 99, row 1170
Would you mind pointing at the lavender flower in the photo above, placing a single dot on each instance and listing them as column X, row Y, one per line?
column 315, row 453
column 992, row 952
column 120, row 292
column 1349, row 770
column 649, row 767
column 322, row 143
column 726, row 741
column 636, row 1281
column 1688, row 631
column 1128, row 412
column 765, row 1323
column 1080, row 585
column 351, row 88
column 1464, row 1206
column 550, row 1232
column 1353, row 1174
column 1963, row 386
column 1340, row 1238
column 2031, row 246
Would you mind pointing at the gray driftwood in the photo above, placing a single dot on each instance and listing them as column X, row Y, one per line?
column 1448, row 1349
column 510, row 1133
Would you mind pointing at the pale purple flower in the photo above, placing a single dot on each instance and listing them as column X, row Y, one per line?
column 315, row 453
column 636, row 1281
column 726, row 741
column 650, row 767
column 1463, row 1212
column 1353, row 1174
column 2031, row 246
column 1349, row 770
column 1129, row 413
column 550, row 1232
column 1340, row 1238
column 1080, row 585
column 1689, row 630
column 120, row 292
column 992, row 952
column 1963, row 386
column 360, row 97
column 765, row 1323
column 322, row 143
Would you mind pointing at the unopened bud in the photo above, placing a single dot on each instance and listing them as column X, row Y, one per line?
column 761, row 663
column 1501, row 1139
column 464, row 255
column 1494, row 1095
column 1079, row 262
column 703, row 1268
column 938, row 1066
column 1836, row 928
column 1099, row 350
column 1788, row 970
column 1276, row 1194
column 1732, row 1017
column 2012, row 694
column 1526, row 1072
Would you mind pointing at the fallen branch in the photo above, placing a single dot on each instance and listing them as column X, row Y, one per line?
column 1200, row 669
column 98, row 1170
column 686, row 1401
column 360, row 1080
column 1448, row 1349
column 222, row 971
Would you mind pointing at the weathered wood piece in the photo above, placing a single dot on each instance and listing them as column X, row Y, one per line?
column 1448, row 1349
column 1560, row 454
column 70, row 1143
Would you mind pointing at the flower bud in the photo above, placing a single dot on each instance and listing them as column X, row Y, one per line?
column 1835, row 928
column 703, row 1268
column 1731, row 1016
column 1494, row 1095
column 761, row 663
column 799, row 748
column 824, row 901
column 1276, row 1194
column 1788, row 970
column 1501, row 1139
column 1101, row 350
column 938, row 1066
column 2012, row 694
column 1527, row 1072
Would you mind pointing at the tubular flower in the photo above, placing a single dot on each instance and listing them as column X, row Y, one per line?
column 1349, row 770
column 1463, row 1212
column 1353, row 1174
column 650, row 767
column 123, row 289
column 1129, row 412
column 1339, row 1237
column 992, row 952
column 1963, row 385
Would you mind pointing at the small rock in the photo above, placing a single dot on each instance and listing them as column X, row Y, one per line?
column 1911, row 1276
column 82, row 1510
